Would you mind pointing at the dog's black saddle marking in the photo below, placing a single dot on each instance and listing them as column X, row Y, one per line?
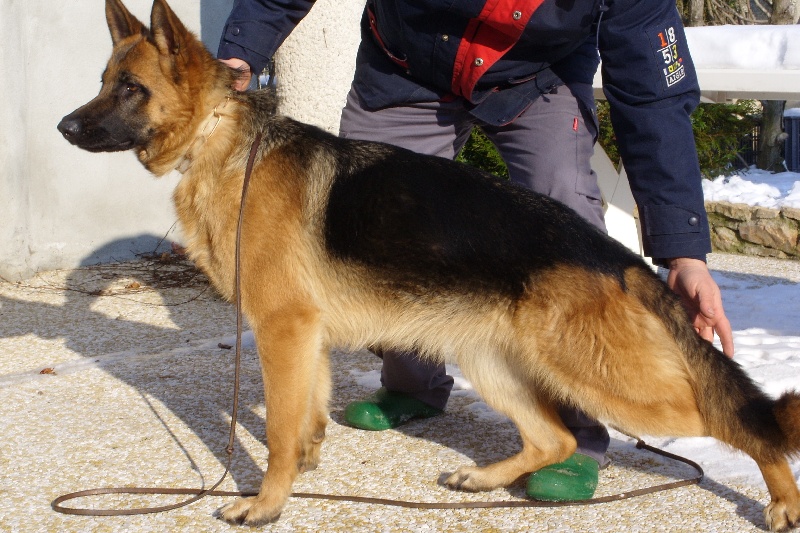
column 424, row 222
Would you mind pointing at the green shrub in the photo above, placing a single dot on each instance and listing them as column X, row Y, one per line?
column 718, row 132
column 480, row 152
column 606, row 137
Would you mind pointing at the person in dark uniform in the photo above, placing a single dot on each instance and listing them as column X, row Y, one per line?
column 429, row 71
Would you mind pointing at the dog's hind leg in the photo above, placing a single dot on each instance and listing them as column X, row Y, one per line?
column 289, row 344
column 769, row 431
column 783, row 512
column 693, row 389
column 766, row 430
column 545, row 439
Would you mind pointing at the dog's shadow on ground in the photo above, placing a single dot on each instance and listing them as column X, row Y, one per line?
column 747, row 508
column 196, row 388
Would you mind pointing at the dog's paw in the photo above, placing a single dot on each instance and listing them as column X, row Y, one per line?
column 469, row 478
column 781, row 516
column 251, row 512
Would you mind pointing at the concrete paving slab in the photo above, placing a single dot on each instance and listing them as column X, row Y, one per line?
column 114, row 376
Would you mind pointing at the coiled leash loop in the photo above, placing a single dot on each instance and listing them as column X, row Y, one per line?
column 197, row 494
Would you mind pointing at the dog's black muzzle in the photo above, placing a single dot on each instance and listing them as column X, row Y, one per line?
column 92, row 137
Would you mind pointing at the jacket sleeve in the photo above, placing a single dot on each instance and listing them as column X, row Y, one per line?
column 256, row 28
column 651, row 85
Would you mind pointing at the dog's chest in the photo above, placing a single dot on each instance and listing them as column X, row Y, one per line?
column 207, row 211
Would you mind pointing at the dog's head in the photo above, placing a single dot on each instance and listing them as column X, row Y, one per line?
column 156, row 86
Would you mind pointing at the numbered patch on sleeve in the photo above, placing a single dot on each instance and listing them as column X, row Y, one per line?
column 669, row 49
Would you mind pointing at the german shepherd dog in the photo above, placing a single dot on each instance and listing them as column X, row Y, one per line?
column 353, row 244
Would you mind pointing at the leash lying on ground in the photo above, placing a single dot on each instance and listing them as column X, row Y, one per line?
column 200, row 493
column 197, row 494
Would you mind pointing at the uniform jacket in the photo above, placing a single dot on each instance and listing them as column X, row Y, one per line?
column 500, row 55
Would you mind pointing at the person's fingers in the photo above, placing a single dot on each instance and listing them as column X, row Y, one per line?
column 242, row 81
column 725, row 334
column 710, row 306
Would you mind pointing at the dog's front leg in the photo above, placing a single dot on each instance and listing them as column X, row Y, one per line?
column 289, row 346
column 314, row 433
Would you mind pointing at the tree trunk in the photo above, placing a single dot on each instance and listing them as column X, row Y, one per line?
column 772, row 134
column 783, row 12
column 696, row 13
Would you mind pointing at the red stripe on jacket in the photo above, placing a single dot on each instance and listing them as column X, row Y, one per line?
column 487, row 38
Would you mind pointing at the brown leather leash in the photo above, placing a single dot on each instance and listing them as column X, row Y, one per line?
column 198, row 494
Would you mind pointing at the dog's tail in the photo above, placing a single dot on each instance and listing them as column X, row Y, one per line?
column 737, row 412
column 734, row 409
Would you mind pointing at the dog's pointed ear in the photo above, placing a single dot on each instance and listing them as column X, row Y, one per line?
column 168, row 31
column 121, row 23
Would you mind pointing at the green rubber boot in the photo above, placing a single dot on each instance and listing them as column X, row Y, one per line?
column 572, row 480
column 386, row 410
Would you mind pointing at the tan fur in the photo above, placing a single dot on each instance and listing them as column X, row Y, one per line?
column 617, row 349
column 635, row 379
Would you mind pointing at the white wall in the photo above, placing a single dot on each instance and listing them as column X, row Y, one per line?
column 63, row 207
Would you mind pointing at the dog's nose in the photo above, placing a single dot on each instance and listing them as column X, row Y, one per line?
column 70, row 127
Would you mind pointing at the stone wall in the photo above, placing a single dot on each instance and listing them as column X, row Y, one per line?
column 760, row 231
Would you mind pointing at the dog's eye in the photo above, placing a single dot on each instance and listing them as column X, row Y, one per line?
column 129, row 90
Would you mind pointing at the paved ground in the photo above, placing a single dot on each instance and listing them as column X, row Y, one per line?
column 113, row 376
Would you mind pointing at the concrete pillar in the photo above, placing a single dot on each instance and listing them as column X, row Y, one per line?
column 315, row 65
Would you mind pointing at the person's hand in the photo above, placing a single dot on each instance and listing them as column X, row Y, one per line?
column 243, row 81
column 701, row 297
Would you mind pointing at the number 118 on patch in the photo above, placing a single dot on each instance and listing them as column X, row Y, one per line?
column 673, row 63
